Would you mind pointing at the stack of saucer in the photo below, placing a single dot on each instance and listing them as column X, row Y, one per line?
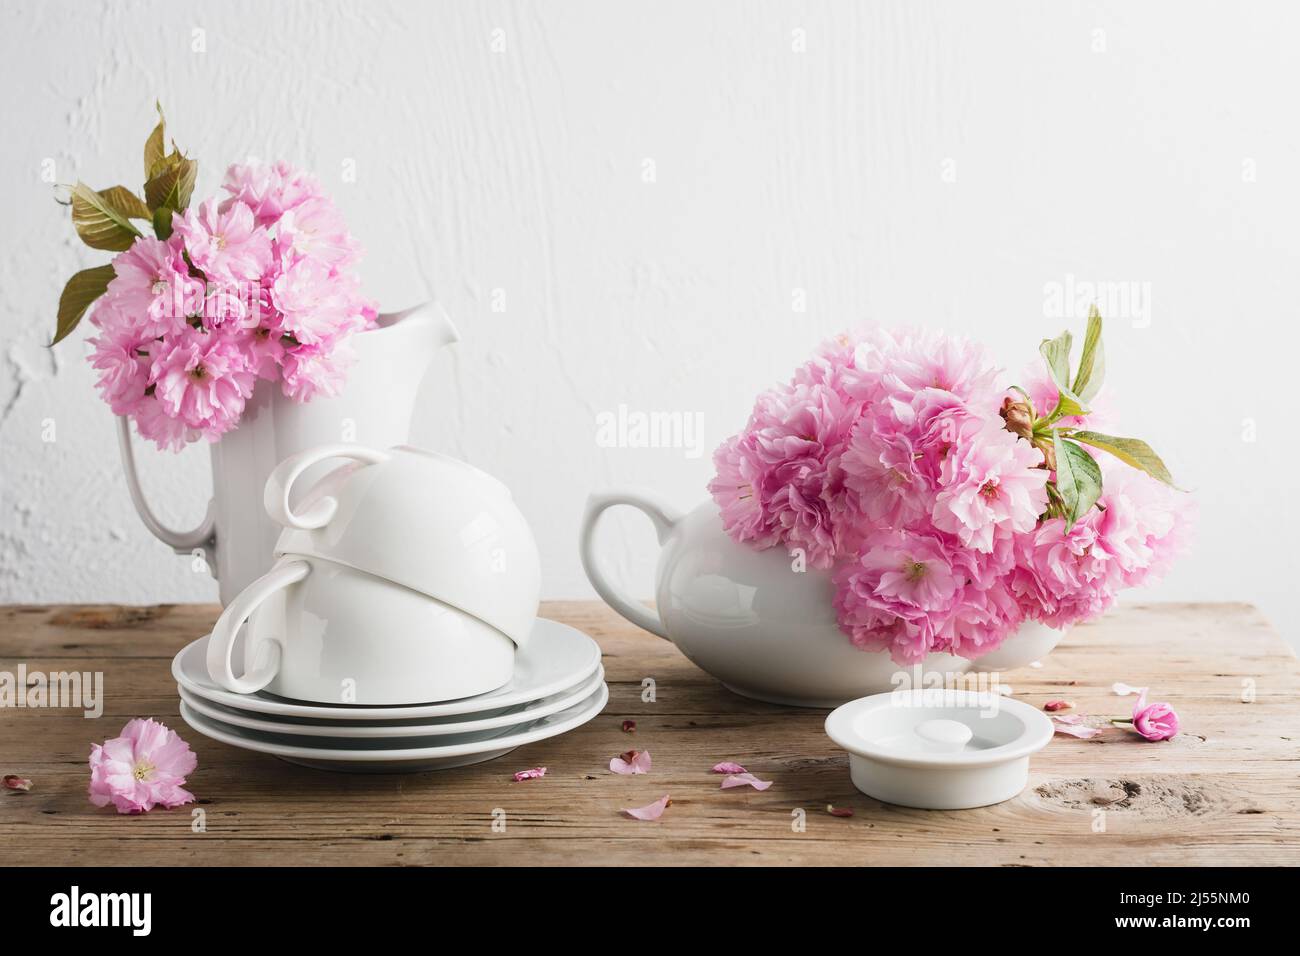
column 397, row 629
column 558, row 684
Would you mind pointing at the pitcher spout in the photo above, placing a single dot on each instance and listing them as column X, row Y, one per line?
column 428, row 323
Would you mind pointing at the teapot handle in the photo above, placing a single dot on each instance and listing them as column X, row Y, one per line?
column 664, row 518
column 280, row 484
column 182, row 542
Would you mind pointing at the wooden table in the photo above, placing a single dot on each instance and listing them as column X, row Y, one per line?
column 1223, row 792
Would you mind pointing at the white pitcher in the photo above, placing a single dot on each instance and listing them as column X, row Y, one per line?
column 237, row 538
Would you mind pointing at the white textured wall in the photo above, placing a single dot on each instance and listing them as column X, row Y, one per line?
column 915, row 162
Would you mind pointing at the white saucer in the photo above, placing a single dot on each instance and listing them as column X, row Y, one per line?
column 391, row 729
column 370, row 756
column 556, row 656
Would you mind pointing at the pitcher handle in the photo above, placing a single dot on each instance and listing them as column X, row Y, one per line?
column 222, row 642
column 280, row 484
column 182, row 542
column 662, row 515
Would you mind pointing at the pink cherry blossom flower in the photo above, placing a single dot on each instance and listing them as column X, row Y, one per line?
column 651, row 811
column 991, row 484
column 224, row 242
column 315, row 229
column 1156, row 721
column 203, row 380
column 269, row 190
column 311, row 370
column 145, row 766
column 120, row 353
column 533, row 774
column 744, row 780
column 632, row 762
column 152, row 291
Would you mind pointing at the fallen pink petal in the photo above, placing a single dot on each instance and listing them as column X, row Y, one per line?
column 629, row 726
column 839, row 811
column 651, row 811
column 1123, row 690
column 728, row 767
column 1055, row 705
column 634, row 761
column 1073, row 726
column 532, row 774
column 14, row 782
column 744, row 780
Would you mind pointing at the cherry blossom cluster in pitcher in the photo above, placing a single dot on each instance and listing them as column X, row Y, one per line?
column 950, row 505
column 255, row 284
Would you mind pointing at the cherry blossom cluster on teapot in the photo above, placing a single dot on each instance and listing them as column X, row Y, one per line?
column 951, row 505
column 258, row 284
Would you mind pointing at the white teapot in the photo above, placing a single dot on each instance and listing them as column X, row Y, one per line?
column 763, row 630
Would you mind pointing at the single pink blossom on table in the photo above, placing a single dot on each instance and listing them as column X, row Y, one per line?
column 144, row 767
column 744, row 780
column 16, row 783
column 532, row 774
column 728, row 767
column 632, row 762
column 652, row 811
column 1154, row 722
column 225, row 242
column 203, row 379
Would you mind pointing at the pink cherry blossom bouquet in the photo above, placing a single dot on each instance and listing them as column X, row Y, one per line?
column 949, row 505
column 257, row 284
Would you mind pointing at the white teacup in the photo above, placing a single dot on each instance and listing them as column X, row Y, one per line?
column 327, row 633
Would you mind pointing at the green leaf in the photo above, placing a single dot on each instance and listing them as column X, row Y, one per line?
column 100, row 220
column 1092, row 364
column 155, row 147
column 1078, row 479
column 1056, row 353
column 125, row 202
column 1131, row 451
column 82, row 289
column 171, row 186
column 162, row 222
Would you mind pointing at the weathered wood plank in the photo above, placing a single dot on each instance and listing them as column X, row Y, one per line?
column 1225, row 791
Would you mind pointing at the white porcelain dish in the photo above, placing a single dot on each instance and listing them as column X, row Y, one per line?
column 372, row 756
column 319, row 630
column 556, row 656
column 394, row 730
column 939, row 749
column 430, row 522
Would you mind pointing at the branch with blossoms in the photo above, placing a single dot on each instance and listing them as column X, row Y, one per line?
column 1077, row 484
column 256, row 286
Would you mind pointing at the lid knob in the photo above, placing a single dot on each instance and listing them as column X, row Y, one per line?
column 944, row 736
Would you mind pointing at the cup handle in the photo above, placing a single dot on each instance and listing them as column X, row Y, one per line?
column 280, row 483
column 663, row 516
column 222, row 642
